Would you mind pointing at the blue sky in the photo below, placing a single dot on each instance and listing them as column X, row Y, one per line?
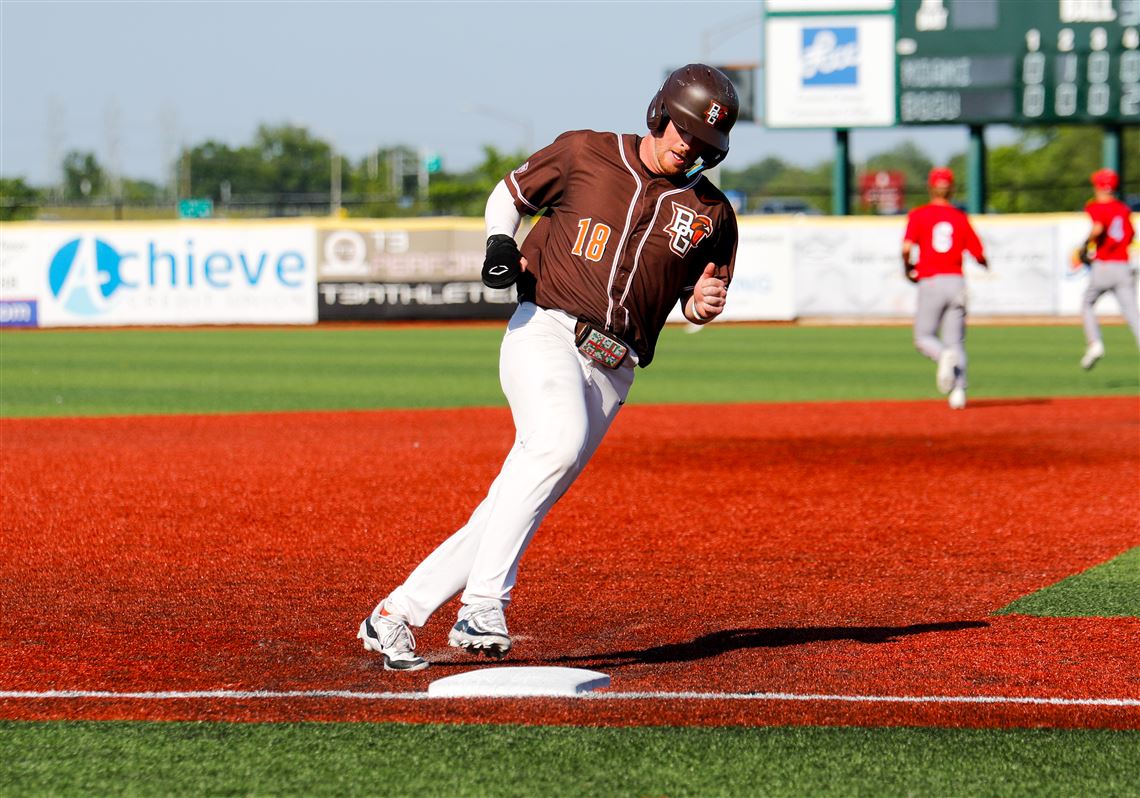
column 132, row 81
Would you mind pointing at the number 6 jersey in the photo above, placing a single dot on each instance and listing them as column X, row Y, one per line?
column 942, row 233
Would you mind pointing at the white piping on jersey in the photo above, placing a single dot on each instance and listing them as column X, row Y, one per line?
column 649, row 230
column 624, row 236
column 519, row 194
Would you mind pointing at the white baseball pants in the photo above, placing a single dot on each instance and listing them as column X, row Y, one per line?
column 562, row 404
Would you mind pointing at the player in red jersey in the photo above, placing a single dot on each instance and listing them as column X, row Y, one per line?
column 936, row 236
column 1109, row 269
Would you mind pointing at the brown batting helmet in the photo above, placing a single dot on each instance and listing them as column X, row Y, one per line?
column 702, row 102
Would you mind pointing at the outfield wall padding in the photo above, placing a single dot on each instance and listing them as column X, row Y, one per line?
column 308, row 270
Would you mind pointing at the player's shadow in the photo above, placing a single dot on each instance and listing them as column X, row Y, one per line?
column 722, row 642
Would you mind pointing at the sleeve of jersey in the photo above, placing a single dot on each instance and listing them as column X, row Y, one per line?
column 911, row 233
column 1094, row 212
column 540, row 181
column 973, row 243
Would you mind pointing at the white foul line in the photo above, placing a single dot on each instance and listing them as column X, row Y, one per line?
column 596, row 696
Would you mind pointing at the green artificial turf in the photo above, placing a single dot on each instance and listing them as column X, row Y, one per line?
column 1111, row 589
column 137, row 758
column 143, row 371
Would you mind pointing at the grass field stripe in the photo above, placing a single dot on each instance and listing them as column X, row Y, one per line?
column 600, row 696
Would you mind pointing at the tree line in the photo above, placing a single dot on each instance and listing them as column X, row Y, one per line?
column 286, row 170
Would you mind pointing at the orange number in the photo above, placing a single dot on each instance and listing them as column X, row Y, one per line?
column 598, row 240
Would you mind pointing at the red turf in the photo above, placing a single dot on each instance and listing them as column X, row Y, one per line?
column 854, row 549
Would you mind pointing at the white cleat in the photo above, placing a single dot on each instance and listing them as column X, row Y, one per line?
column 392, row 638
column 481, row 627
column 1093, row 353
column 947, row 364
column 957, row 398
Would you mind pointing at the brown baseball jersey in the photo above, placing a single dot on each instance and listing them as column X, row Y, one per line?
column 618, row 245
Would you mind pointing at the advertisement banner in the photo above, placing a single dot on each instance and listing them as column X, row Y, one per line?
column 1070, row 280
column 415, row 271
column 854, row 268
column 102, row 274
column 761, row 287
column 851, row 268
column 1021, row 254
column 152, row 274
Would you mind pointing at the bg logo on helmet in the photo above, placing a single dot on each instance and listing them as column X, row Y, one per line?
column 714, row 112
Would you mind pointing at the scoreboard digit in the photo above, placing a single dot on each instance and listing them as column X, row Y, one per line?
column 1019, row 62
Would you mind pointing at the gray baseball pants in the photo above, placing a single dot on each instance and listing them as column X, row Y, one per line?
column 942, row 304
column 1115, row 276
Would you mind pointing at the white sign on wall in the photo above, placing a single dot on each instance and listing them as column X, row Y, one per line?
column 845, row 269
column 762, row 279
column 829, row 71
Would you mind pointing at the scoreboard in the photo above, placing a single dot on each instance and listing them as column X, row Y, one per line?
column 1020, row 62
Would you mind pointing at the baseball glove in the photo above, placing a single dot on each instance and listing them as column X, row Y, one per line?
column 909, row 271
column 1081, row 257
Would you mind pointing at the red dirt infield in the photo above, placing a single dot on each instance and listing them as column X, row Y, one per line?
column 832, row 549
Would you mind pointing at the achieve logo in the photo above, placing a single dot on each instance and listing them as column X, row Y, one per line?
column 84, row 275
column 88, row 276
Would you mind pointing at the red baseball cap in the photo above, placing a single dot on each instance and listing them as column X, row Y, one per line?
column 1105, row 178
column 940, row 174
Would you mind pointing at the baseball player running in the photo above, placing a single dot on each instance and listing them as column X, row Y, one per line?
column 936, row 236
column 631, row 227
column 1109, row 269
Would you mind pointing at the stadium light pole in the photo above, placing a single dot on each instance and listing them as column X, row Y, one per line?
column 501, row 115
column 1112, row 149
column 976, row 164
column 711, row 37
column 841, row 174
column 334, row 183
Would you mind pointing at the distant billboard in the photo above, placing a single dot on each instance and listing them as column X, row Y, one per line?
column 743, row 77
column 829, row 70
column 882, row 191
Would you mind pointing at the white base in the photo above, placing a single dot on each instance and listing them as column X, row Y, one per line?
column 518, row 681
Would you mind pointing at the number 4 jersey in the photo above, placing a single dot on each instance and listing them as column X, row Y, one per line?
column 617, row 245
column 1112, row 245
column 942, row 233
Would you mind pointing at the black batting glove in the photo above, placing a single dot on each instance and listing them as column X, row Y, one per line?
column 501, row 267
